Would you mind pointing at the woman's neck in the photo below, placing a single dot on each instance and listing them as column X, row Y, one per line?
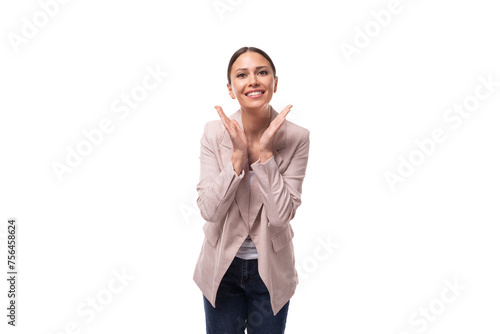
column 255, row 122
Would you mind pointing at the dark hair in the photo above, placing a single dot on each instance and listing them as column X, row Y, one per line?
column 241, row 51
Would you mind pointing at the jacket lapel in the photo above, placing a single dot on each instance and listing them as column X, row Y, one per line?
column 250, row 201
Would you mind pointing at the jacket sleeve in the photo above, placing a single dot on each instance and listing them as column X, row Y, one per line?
column 281, row 193
column 216, row 188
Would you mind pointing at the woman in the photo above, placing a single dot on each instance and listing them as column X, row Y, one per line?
column 253, row 164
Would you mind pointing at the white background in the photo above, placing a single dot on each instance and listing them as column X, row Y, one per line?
column 131, row 203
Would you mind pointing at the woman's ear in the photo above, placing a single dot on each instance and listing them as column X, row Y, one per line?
column 230, row 91
column 275, row 84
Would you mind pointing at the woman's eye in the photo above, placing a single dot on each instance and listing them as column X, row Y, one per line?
column 240, row 75
column 263, row 72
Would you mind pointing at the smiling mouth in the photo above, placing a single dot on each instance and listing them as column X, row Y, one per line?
column 255, row 94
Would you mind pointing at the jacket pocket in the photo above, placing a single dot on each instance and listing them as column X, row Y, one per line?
column 282, row 238
column 212, row 232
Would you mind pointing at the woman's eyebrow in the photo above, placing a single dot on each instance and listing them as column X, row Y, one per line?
column 244, row 68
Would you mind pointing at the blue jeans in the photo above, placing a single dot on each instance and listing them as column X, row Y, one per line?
column 243, row 301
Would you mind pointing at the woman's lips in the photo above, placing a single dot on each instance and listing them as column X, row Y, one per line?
column 255, row 96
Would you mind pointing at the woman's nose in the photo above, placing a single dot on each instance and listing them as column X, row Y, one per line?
column 253, row 80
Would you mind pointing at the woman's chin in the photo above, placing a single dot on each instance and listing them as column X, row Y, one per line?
column 254, row 105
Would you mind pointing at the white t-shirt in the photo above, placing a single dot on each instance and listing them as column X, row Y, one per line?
column 247, row 250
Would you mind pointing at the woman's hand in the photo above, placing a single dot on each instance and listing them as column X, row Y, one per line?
column 237, row 135
column 267, row 138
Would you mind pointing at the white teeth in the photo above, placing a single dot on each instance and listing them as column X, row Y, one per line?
column 254, row 93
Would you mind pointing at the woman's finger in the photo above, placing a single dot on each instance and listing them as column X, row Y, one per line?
column 285, row 111
column 280, row 118
column 225, row 120
column 237, row 125
column 221, row 113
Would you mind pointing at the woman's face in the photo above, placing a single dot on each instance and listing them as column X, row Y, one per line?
column 252, row 81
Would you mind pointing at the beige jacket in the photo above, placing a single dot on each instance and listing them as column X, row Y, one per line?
column 233, row 211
